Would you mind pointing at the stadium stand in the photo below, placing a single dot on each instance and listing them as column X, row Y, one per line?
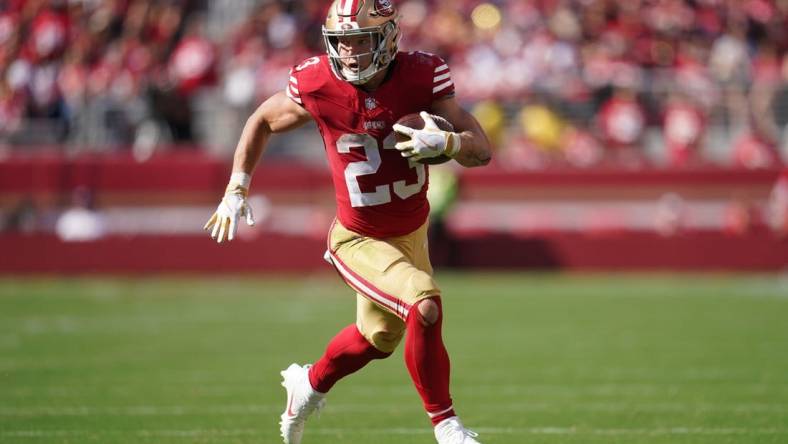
column 672, row 82
column 608, row 117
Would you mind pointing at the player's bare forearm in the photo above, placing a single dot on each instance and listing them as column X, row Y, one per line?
column 275, row 115
column 475, row 147
column 251, row 144
column 474, row 150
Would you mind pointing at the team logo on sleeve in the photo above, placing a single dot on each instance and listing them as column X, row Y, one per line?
column 384, row 8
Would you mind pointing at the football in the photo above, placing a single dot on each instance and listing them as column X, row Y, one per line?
column 414, row 120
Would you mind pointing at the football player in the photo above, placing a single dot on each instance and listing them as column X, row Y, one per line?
column 378, row 241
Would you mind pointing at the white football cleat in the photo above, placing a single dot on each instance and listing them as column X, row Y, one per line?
column 302, row 401
column 451, row 431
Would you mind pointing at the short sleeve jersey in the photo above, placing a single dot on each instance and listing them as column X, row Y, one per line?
column 378, row 192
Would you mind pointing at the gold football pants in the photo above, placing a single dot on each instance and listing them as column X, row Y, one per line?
column 389, row 275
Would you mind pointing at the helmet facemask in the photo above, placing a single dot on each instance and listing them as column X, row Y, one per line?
column 383, row 47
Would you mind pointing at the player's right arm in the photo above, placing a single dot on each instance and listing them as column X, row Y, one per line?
column 277, row 114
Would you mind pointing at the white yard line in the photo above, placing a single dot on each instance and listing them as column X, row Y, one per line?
column 192, row 433
column 254, row 409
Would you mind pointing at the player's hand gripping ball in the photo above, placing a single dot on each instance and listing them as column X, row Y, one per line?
column 426, row 138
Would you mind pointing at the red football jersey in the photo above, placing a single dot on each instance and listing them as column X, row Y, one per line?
column 379, row 193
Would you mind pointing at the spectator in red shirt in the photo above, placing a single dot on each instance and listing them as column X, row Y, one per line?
column 683, row 128
column 621, row 123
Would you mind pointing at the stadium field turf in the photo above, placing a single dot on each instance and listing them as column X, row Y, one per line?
column 585, row 359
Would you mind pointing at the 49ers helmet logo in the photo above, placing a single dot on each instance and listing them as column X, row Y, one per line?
column 384, row 7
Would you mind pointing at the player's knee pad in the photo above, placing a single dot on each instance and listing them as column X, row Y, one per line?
column 430, row 310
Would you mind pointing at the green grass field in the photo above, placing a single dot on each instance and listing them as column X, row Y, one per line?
column 536, row 359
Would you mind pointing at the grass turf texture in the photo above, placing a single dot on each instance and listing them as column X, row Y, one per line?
column 536, row 359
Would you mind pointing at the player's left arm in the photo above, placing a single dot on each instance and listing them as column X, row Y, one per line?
column 474, row 146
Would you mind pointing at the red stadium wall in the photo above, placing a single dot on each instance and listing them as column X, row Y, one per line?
column 707, row 251
column 474, row 238
column 159, row 254
column 271, row 254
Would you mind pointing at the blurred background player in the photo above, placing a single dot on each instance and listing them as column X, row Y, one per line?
column 378, row 242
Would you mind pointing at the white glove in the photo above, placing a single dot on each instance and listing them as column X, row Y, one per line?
column 428, row 142
column 224, row 222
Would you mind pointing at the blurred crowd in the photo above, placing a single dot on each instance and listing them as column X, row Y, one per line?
column 555, row 82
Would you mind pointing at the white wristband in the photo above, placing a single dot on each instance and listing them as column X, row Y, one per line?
column 456, row 144
column 241, row 179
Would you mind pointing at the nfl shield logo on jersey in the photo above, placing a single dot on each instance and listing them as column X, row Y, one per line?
column 370, row 103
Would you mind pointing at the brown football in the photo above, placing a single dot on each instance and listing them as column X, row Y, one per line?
column 414, row 120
